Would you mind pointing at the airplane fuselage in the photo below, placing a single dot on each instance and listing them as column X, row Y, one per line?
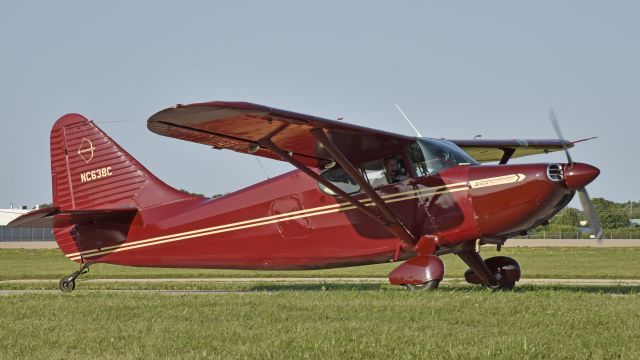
column 288, row 223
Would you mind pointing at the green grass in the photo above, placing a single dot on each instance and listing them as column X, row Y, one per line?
column 326, row 319
column 620, row 263
column 318, row 322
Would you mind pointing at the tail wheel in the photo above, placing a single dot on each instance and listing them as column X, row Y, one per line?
column 429, row 285
column 67, row 284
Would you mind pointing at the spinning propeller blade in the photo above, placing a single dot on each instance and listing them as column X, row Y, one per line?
column 585, row 200
column 590, row 211
column 556, row 127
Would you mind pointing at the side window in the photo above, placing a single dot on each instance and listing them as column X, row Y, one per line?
column 339, row 178
column 374, row 173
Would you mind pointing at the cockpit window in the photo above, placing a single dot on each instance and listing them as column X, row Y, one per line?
column 431, row 156
column 378, row 173
column 417, row 159
column 428, row 157
column 386, row 171
column 339, row 178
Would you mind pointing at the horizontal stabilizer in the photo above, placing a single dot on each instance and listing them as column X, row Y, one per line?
column 55, row 218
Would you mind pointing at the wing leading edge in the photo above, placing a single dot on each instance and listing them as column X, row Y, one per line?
column 503, row 150
column 241, row 126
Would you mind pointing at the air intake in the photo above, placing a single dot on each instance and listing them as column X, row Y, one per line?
column 555, row 172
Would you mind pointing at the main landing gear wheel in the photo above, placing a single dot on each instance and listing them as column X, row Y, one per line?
column 429, row 285
column 505, row 269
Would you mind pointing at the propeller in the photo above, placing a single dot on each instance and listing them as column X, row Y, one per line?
column 556, row 127
column 580, row 172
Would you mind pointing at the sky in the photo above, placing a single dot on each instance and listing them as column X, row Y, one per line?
column 457, row 69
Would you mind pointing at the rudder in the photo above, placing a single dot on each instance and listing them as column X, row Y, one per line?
column 91, row 171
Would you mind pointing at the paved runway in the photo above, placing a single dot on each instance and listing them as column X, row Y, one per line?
column 320, row 280
column 141, row 291
column 570, row 282
column 572, row 243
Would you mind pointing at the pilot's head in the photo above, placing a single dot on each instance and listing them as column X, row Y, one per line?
column 391, row 166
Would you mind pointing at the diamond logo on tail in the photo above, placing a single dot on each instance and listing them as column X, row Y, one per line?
column 86, row 150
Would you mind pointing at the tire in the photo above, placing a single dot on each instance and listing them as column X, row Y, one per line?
column 67, row 284
column 506, row 285
column 429, row 285
column 506, row 269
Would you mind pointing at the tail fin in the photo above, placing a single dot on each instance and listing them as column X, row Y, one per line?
column 90, row 171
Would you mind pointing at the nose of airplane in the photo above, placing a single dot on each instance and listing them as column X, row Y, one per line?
column 578, row 175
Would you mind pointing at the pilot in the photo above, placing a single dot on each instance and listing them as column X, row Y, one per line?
column 393, row 171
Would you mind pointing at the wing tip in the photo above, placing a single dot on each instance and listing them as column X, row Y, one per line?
column 583, row 140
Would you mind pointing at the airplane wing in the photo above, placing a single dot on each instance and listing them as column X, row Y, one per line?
column 502, row 150
column 241, row 126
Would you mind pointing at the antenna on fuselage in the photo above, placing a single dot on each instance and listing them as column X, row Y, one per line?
column 409, row 121
column 262, row 166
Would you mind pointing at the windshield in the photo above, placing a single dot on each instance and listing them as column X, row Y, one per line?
column 426, row 157
column 437, row 155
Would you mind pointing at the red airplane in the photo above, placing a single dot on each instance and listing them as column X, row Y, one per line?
column 359, row 196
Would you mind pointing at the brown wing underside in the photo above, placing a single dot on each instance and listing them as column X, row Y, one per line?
column 241, row 126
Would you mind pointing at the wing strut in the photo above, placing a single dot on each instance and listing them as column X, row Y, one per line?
column 388, row 219
column 268, row 144
column 507, row 153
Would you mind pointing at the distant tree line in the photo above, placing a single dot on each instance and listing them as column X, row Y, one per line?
column 612, row 215
column 201, row 195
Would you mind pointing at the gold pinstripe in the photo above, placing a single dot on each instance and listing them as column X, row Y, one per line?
column 305, row 211
column 272, row 217
column 263, row 221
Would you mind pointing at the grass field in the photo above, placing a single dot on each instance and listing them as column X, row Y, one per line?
column 621, row 263
column 313, row 323
column 323, row 320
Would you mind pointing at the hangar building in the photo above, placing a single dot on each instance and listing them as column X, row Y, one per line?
column 20, row 234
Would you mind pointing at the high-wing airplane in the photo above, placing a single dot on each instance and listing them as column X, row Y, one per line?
column 359, row 196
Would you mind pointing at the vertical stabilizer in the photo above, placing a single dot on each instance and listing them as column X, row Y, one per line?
column 90, row 171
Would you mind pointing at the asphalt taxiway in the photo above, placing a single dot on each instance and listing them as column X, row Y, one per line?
column 564, row 282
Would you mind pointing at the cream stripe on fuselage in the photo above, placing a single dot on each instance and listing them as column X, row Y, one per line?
column 263, row 221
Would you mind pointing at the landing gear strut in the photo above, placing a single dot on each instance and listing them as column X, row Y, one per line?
column 423, row 272
column 68, row 283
